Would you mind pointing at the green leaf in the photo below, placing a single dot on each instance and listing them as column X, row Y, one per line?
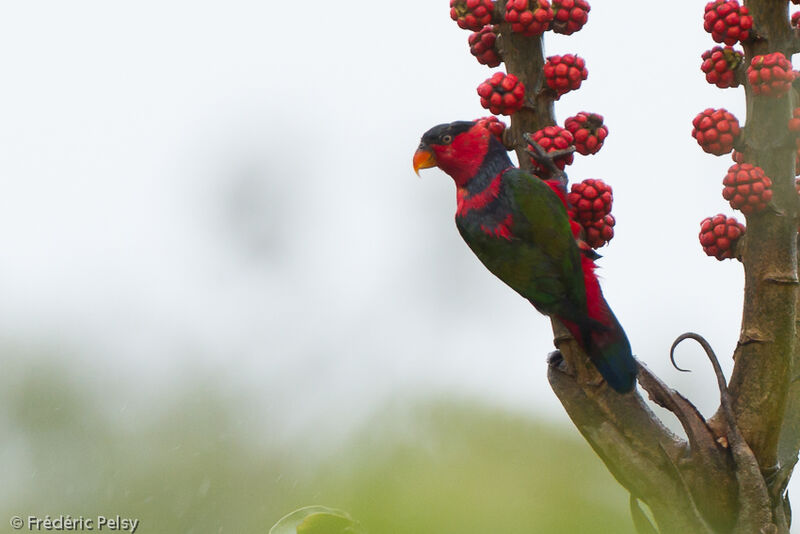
column 317, row 520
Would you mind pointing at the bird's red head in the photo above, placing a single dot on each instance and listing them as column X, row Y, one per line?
column 458, row 148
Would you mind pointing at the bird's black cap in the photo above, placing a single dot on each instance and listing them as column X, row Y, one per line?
column 433, row 136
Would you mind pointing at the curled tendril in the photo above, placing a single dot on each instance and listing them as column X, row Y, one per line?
column 723, row 386
column 672, row 353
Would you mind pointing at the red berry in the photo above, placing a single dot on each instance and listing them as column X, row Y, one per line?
column 716, row 131
column 483, row 45
column 590, row 200
column 529, row 17
column 588, row 130
column 554, row 138
column 569, row 16
column 727, row 21
column 495, row 126
column 795, row 19
column 737, row 157
column 565, row 73
column 719, row 234
column 720, row 65
column 770, row 75
column 599, row 233
column 747, row 188
column 502, row 94
column 471, row 14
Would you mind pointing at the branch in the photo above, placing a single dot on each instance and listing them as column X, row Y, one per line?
column 789, row 442
column 708, row 457
column 657, row 467
column 524, row 57
column 755, row 514
column 764, row 358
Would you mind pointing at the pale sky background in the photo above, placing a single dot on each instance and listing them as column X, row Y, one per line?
column 207, row 188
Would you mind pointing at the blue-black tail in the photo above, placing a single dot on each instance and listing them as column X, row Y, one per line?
column 610, row 351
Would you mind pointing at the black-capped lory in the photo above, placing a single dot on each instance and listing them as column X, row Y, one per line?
column 517, row 225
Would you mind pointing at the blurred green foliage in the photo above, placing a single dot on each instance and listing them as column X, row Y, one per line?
column 192, row 466
column 317, row 520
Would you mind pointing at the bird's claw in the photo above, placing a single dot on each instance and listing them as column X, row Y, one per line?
column 547, row 159
column 555, row 358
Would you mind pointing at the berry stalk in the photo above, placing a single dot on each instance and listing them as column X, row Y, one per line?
column 524, row 57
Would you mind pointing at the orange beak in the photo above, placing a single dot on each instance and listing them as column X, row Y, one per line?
column 424, row 158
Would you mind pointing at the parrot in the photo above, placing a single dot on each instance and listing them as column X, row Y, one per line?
column 518, row 227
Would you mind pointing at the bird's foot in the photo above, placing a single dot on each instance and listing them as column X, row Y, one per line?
column 546, row 160
column 555, row 358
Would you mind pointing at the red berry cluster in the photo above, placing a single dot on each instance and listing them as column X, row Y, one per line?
column 716, row 131
column 747, row 188
column 483, row 45
column 565, row 73
column 502, row 94
column 495, row 126
column 471, row 14
column 529, row 17
column 719, row 234
column 590, row 200
column 588, row 130
column 770, row 75
column 720, row 66
column 727, row 21
column 554, row 138
column 590, row 205
column 569, row 16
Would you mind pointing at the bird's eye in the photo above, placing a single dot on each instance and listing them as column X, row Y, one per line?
column 447, row 139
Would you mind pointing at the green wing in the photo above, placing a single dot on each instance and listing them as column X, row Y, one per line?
column 541, row 261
